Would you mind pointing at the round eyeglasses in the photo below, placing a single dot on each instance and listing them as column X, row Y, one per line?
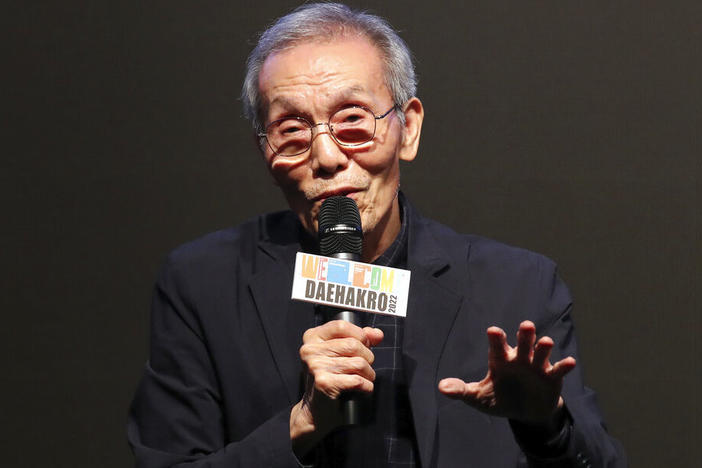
column 349, row 126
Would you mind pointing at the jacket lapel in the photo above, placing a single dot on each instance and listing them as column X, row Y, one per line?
column 434, row 301
column 284, row 320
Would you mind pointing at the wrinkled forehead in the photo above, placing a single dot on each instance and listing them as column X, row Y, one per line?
column 371, row 53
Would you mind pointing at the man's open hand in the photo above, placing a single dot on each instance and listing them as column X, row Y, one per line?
column 521, row 384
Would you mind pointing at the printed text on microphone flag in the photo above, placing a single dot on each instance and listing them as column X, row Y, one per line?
column 351, row 285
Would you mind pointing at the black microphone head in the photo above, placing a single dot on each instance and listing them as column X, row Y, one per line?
column 340, row 230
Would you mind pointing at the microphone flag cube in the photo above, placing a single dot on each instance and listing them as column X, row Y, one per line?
column 351, row 285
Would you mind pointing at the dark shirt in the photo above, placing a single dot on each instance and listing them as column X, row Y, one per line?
column 385, row 438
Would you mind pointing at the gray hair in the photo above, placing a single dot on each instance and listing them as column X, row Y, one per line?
column 329, row 20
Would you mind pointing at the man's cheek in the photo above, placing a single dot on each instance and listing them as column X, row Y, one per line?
column 378, row 165
column 283, row 174
column 280, row 165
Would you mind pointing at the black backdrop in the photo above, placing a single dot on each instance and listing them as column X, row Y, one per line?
column 564, row 127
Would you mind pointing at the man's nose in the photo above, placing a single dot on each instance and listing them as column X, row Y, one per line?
column 325, row 153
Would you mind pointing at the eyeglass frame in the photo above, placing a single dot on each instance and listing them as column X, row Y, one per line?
column 328, row 124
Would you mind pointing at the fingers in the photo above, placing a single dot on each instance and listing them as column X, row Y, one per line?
column 540, row 360
column 526, row 335
column 498, row 347
column 453, row 387
column 542, row 352
column 473, row 393
column 338, row 347
column 562, row 367
column 342, row 365
column 335, row 329
column 334, row 384
column 528, row 351
column 373, row 335
column 338, row 357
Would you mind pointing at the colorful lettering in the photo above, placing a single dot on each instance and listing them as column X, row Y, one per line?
column 375, row 278
column 359, row 275
column 322, row 272
column 309, row 266
column 388, row 280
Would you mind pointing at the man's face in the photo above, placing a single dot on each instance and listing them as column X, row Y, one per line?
column 313, row 80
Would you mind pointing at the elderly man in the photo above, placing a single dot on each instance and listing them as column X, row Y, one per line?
column 240, row 375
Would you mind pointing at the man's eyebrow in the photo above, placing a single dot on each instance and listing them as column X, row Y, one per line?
column 351, row 91
column 283, row 102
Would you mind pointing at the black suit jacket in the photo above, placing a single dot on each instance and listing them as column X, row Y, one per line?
column 224, row 367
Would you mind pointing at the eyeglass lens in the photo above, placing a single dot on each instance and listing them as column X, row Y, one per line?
column 350, row 127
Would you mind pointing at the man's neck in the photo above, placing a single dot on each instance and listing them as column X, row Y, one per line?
column 377, row 241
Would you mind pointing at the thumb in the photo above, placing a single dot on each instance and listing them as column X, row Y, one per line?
column 452, row 387
column 373, row 336
column 460, row 390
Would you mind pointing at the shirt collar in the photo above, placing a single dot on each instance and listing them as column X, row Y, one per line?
column 396, row 254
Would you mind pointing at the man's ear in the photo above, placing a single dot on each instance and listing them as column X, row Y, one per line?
column 414, row 116
column 260, row 145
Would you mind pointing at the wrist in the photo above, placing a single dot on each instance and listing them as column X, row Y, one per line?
column 305, row 434
column 301, row 422
column 546, row 438
column 546, row 428
column 547, row 424
column 558, row 417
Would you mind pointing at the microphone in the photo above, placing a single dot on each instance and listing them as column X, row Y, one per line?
column 341, row 236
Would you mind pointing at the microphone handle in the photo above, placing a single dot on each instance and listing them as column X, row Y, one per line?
column 349, row 404
column 349, row 401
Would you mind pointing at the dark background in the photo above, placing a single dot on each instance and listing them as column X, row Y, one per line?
column 569, row 128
